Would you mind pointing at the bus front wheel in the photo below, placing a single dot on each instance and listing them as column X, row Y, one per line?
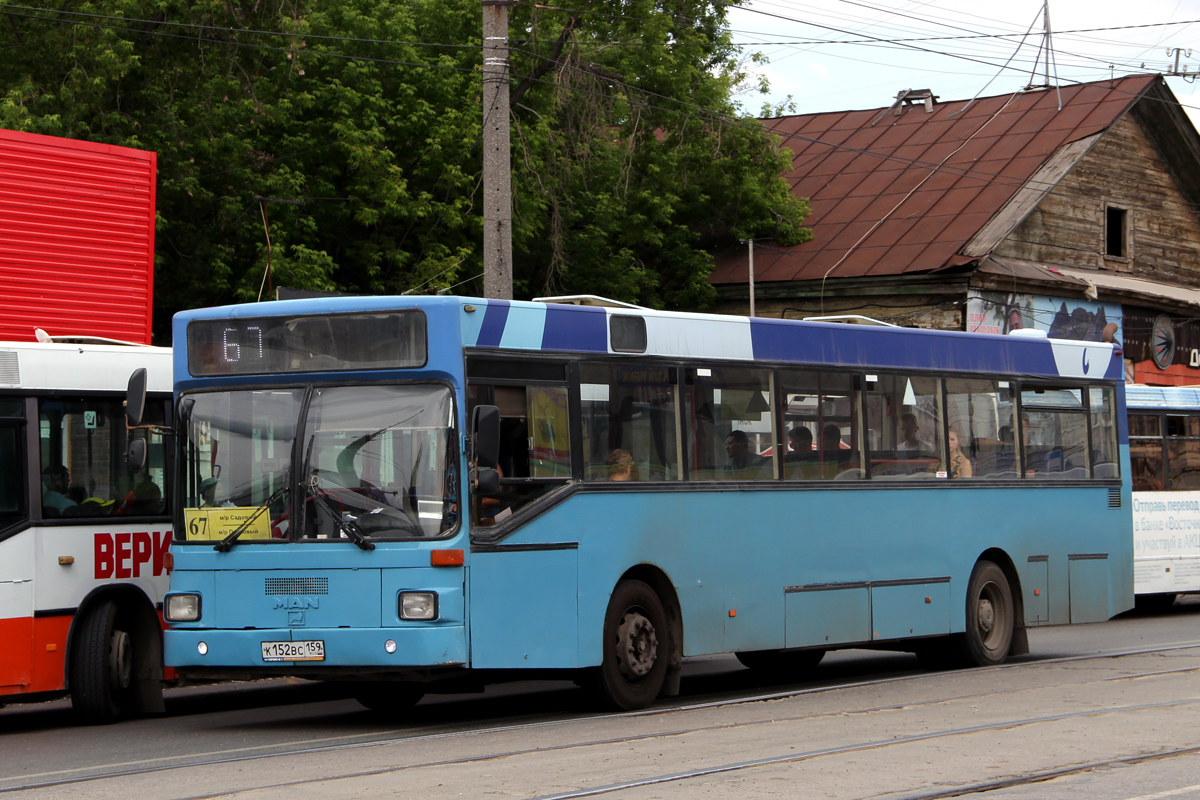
column 990, row 615
column 636, row 648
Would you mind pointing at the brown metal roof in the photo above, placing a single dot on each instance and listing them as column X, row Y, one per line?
column 907, row 193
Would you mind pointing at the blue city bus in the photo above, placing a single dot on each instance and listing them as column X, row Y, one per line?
column 427, row 494
column 1164, row 456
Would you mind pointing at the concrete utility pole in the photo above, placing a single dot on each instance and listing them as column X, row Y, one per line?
column 1046, row 24
column 1179, row 51
column 497, row 164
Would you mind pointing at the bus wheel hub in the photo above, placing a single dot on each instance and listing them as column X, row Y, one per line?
column 120, row 660
column 987, row 615
column 637, row 645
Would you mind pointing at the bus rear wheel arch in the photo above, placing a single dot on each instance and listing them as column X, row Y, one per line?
column 993, row 630
column 636, row 650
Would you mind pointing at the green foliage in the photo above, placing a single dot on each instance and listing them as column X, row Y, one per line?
column 359, row 150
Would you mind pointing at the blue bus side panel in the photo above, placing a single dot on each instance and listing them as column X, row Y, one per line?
column 1089, row 579
column 771, row 540
column 828, row 617
column 526, row 611
column 1035, row 581
column 921, row 609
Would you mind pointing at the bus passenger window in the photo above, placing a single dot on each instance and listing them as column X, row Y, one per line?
column 629, row 417
column 904, row 427
column 1183, row 452
column 12, row 462
column 821, row 421
column 83, row 468
column 1056, row 442
column 1103, row 410
column 729, row 424
column 980, row 413
column 1146, row 453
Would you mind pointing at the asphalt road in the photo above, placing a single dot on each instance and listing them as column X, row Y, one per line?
column 1122, row 713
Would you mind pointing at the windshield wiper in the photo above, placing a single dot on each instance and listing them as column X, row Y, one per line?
column 347, row 525
column 226, row 544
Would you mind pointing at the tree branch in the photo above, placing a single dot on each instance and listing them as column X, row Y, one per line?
column 550, row 63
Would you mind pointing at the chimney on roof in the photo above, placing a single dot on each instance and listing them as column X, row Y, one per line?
column 910, row 97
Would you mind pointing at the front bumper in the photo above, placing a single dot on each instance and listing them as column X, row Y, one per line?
column 420, row 647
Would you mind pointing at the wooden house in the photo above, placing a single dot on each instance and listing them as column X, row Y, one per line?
column 1068, row 209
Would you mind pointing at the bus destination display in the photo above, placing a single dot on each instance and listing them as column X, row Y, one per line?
column 268, row 345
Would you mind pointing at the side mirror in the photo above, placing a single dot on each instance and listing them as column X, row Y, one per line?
column 487, row 482
column 485, row 433
column 135, row 397
column 135, row 455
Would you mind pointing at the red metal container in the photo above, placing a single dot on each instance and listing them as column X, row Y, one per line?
column 76, row 238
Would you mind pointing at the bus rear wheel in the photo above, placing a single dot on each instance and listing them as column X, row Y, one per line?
column 990, row 616
column 781, row 664
column 101, row 666
column 636, row 648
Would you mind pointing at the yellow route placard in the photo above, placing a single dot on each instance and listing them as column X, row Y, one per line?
column 217, row 523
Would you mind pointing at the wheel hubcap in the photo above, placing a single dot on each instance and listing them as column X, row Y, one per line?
column 637, row 645
column 987, row 616
column 120, row 661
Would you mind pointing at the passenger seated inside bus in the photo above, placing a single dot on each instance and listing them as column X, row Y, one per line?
column 620, row 466
column 910, row 439
column 145, row 498
column 838, row 460
column 55, row 482
column 960, row 466
column 741, row 460
column 800, row 445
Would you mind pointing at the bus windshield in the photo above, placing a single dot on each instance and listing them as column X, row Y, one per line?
column 374, row 461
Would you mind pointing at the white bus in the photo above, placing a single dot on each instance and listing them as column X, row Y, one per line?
column 83, row 540
column 1164, row 451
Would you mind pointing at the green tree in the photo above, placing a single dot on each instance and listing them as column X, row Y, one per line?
column 330, row 126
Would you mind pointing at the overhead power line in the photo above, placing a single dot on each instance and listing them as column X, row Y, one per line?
column 702, row 114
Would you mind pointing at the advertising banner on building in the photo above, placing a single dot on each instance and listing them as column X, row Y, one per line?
column 1059, row 317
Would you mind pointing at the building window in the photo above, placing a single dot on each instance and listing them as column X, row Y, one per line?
column 1116, row 243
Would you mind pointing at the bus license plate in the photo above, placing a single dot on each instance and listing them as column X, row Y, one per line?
column 313, row 650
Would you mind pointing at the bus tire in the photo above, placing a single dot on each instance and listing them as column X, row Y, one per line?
column 990, row 616
column 101, row 666
column 781, row 664
column 388, row 697
column 636, row 651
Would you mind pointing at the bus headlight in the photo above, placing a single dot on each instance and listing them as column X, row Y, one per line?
column 418, row 605
column 181, row 607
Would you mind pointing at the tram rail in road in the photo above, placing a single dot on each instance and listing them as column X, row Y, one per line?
column 865, row 719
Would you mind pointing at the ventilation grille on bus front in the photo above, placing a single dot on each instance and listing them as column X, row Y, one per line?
column 1114, row 498
column 297, row 586
column 10, row 368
